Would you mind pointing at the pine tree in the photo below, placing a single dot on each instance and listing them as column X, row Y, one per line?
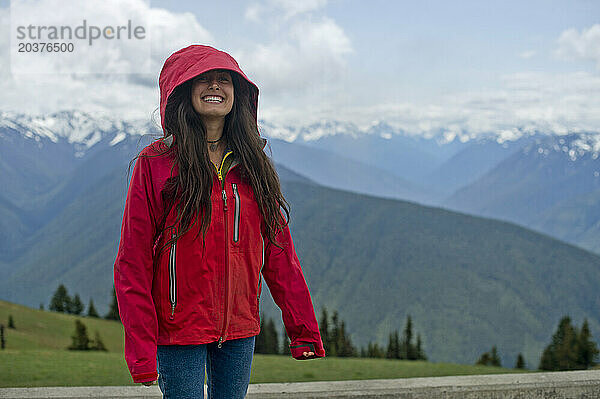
column 490, row 358
column 587, row 351
column 566, row 350
column 374, row 350
column 286, row 344
column 97, row 343
column 389, row 353
column 419, row 349
column 80, row 340
column 11, row 322
column 91, row 312
column 393, row 348
column 267, row 341
column 369, row 350
column 41, row 306
column 324, row 330
column 345, row 347
column 495, row 358
column 272, row 342
column 562, row 352
column 59, row 300
column 520, row 364
column 68, row 304
column 340, row 343
column 548, row 360
column 397, row 349
column 260, row 342
column 113, row 312
column 76, row 306
column 333, row 338
column 484, row 359
column 407, row 349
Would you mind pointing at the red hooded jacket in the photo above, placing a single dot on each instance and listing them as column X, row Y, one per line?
column 190, row 294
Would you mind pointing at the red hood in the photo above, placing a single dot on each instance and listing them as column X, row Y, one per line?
column 191, row 61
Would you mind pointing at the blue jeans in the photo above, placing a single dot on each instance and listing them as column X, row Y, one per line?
column 181, row 369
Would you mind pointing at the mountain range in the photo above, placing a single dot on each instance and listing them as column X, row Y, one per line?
column 469, row 282
column 548, row 183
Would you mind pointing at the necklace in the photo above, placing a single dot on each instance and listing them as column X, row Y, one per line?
column 213, row 144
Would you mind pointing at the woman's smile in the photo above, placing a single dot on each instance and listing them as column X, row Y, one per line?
column 212, row 93
column 213, row 99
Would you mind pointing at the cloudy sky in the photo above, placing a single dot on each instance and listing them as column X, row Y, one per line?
column 460, row 66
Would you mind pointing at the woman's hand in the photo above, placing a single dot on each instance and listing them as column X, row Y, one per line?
column 308, row 354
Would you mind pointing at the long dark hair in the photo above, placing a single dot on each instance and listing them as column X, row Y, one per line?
column 190, row 190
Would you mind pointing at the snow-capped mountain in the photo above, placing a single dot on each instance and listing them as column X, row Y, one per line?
column 514, row 174
column 540, row 181
column 474, row 160
column 574, row 146
column 85, row 129
column 309, row 132
column 379, row 145
column 80, row 129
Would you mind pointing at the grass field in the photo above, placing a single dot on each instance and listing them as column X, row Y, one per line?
column 36, row 355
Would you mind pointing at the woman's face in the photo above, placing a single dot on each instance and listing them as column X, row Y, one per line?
column 212, row 93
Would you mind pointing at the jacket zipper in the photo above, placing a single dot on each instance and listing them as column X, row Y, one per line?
column 173, row 275
column 221, row 338
column 236, row 217
column 224, row 196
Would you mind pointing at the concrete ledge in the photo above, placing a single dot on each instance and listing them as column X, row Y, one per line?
column 572, row 384
column 557, row 385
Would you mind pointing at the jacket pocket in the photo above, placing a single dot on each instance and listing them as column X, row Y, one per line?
column 173, row 273
column 236, row 214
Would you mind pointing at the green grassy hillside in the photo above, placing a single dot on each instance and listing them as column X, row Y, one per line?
column 35, row 355
column 37, row 329
column 468, row 282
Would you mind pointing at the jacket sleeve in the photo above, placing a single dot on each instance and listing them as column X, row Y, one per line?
column 284, row 277
column 133, row 272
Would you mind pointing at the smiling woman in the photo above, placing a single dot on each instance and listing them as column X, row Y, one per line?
column 213, row 94
column 197, row 238
column 212, row 99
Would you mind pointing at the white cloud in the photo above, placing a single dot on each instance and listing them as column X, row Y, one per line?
column 307, row 51
column 302, row 71
column 551, row 103
column 325, row 38
column 253, row 12
column 292, row 8
column 171, row 31
column 4, row 44
column 527, row 54
column 125, row 95
column 526, row 102
column 584, row 45
column 121, row 54
column 305, row 56
column 282, row 9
